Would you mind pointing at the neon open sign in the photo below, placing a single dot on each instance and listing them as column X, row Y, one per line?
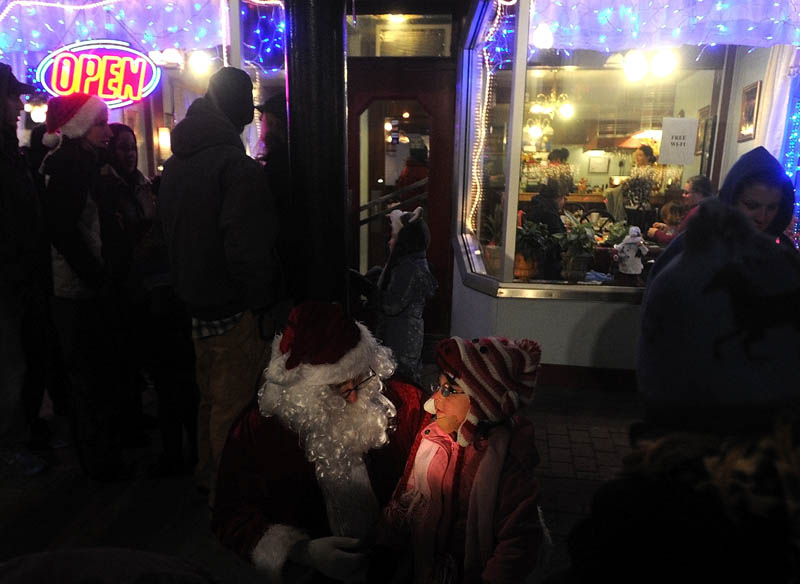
column 111, row 70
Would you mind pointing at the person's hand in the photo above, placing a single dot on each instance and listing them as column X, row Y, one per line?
column 335, row 557
column 661, row 226
column 651, row 233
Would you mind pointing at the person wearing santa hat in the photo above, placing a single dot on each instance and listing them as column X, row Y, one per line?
column 84, row 310
column 23, row 267
column 308, row 466
column 466, row 507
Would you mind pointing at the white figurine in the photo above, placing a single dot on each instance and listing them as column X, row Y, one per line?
column 630, row 252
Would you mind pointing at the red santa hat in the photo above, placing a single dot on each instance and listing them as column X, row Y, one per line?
column 71, row 116
column 321, row 345
column 498, row 375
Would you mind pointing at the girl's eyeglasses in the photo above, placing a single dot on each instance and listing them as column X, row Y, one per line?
column 446, row 389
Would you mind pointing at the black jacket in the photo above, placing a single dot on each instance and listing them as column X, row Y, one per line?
column 72, row 173
column 24, row 253
column 219, row 219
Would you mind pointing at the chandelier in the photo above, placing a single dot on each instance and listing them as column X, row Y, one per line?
column 542, row 111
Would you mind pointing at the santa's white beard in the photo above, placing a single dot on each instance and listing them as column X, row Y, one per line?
column 336, row 434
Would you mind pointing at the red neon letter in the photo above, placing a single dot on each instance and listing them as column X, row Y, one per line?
column 65, row 67
column 112, row 80
column 133, row 79
column 91, row 72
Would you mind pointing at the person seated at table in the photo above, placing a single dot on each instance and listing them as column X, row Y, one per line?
column 664, row 231
column 546, row 208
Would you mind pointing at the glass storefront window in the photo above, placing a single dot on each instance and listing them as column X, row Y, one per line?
column 581, row 166
column 490, row 79
column 584, row 116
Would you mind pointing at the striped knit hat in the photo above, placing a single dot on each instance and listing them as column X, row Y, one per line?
column 498, row 375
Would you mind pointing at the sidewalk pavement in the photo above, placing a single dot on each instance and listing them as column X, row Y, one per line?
column 581, row 438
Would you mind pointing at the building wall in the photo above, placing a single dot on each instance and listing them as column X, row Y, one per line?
column 691, row 94
column 579, row 333
column 750, row 67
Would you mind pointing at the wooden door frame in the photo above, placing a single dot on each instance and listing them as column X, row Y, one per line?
column 431, row 82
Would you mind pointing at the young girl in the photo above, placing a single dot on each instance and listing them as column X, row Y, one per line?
column 466, row 507
column 664, row 232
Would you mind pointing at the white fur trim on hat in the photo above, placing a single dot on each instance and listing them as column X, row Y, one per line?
column 86, row 117
column 367, row 354
column 272, row 550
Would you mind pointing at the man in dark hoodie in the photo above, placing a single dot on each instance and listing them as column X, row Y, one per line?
column 220, row 227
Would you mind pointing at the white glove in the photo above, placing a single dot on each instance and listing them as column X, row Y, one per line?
column 337, row 558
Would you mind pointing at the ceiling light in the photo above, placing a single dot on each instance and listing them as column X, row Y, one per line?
column 406, row 115
column 39, row 113
column 387, row 126
column 543, row 37
column 396, row 18
column 664, row 63
column 200, row 63
column 635, row 65
column 566, row 111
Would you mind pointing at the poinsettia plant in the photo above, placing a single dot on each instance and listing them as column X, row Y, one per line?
column 578, row 240
column 533, row 240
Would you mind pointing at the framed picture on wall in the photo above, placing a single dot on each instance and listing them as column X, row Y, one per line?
column 749, row 113
column 599, row 164
column 702, row 116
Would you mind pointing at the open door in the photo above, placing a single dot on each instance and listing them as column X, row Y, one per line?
column 396, row 105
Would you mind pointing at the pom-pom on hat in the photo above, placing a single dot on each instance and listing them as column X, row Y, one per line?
column 71, row 116
column 498, row 374
column 321, row 345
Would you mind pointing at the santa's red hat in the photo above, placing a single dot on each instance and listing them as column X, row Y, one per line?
column 498, row 375
column 71, row 116
column 321, row 345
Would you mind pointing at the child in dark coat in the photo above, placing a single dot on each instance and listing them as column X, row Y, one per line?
column 404, row 286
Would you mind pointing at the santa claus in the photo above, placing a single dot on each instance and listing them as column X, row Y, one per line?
column 306, row 469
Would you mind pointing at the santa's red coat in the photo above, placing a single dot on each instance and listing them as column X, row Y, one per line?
column 265, row 481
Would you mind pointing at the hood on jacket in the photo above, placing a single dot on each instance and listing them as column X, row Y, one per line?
column 759, row 166
column 203, row 127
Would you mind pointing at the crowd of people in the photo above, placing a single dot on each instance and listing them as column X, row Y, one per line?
column 323, row 457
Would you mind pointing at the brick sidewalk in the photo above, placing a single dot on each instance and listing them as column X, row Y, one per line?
column 581, row 437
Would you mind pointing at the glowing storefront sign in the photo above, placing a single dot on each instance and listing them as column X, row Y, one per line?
column 111, row 70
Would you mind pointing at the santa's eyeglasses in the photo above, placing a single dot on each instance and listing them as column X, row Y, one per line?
column 360, row 385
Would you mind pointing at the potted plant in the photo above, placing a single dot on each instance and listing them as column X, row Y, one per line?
column 577, row 247
column 615, row 233
column 533, row 241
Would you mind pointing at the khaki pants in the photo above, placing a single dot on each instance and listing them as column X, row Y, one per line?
column 229, row 369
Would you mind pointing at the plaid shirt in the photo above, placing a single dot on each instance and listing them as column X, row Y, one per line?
column 210, row 328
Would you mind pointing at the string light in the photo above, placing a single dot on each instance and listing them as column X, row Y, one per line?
column 32, row 28
column 618, row 25
column 791, row 154
column 69, row 7
column 263, row 26
column 489, row 64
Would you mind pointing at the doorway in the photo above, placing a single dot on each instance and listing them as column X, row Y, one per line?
column 380, row 91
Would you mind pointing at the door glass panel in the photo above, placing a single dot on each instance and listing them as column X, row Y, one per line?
column 399, row 35
column 394, row 145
